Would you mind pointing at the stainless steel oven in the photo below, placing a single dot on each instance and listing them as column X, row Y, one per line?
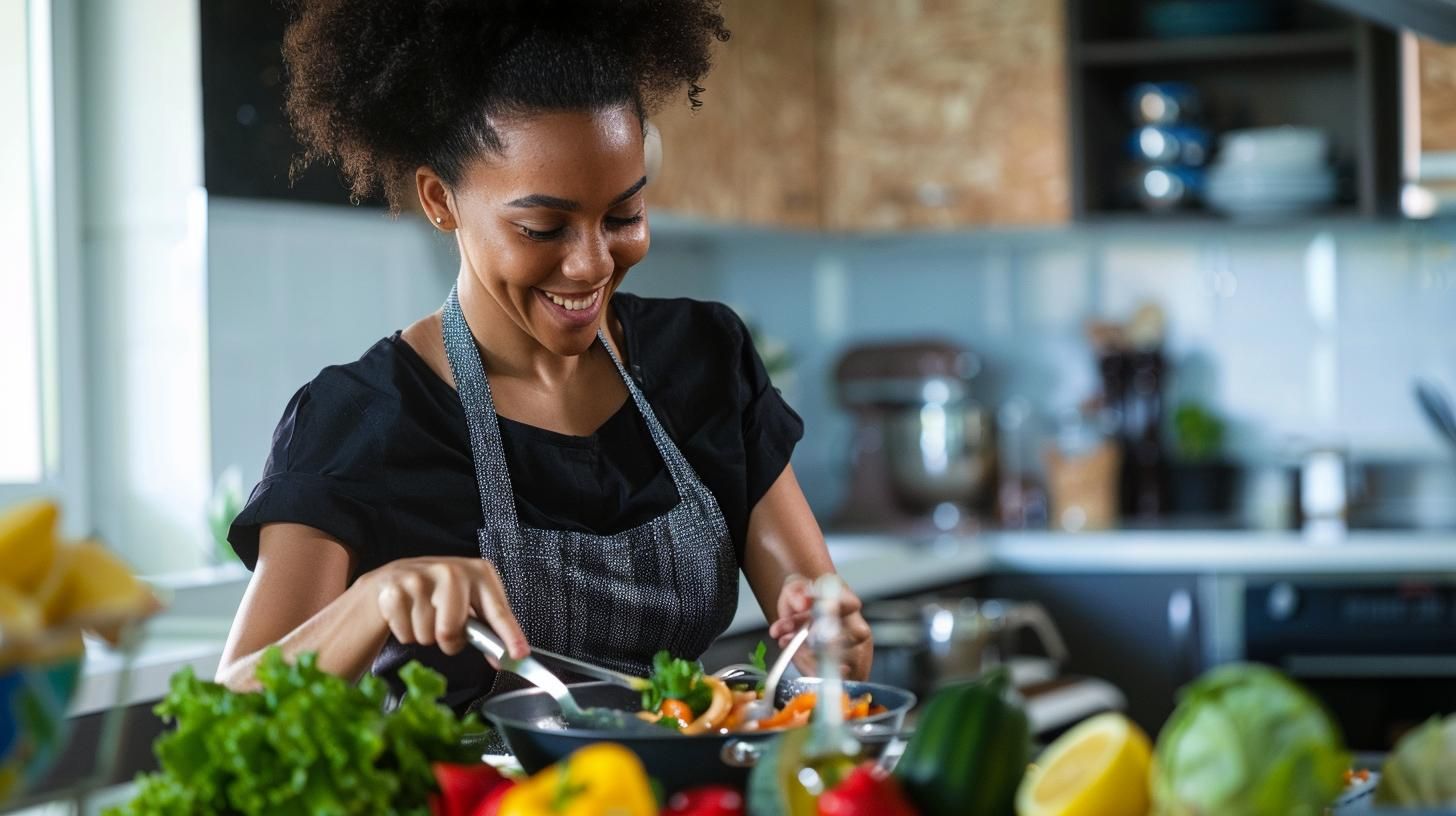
column 1378, row 650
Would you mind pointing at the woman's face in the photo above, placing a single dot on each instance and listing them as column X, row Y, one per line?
column 551, row 224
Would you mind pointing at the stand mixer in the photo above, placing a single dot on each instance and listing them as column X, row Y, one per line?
column 923, row 452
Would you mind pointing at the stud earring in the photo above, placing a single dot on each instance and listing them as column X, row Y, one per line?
column 439, row 219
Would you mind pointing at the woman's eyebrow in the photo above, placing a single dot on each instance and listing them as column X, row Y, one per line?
column 567, row 205
column 630, row 191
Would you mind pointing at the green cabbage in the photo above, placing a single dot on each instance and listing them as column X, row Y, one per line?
column 1422, row 770
column 1247, row 741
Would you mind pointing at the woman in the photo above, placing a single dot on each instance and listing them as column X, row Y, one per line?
column 495, row 458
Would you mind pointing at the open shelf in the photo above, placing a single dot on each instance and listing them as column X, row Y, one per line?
column 1279, row 46
column 1323, row 69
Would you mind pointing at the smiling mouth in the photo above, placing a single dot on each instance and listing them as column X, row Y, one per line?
column 574, row 304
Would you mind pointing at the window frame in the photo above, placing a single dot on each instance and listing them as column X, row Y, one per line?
column 53, row 118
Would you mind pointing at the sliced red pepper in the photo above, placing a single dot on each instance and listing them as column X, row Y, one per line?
column 462, row 787
column 866, row 791
column 709, row 800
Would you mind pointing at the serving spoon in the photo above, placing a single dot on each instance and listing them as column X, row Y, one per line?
column 528, row 668
column 763, row 707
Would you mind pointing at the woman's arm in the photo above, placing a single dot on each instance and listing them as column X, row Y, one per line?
column 784, row 553
column 300, row 598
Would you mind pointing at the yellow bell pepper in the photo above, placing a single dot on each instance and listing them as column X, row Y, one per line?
column 604, row 779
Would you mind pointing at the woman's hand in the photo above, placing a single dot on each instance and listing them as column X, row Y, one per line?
column 795, row 611
column 427, row 601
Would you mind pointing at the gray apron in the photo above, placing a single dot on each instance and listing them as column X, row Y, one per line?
column 671, row 583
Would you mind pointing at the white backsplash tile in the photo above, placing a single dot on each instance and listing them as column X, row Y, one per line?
column 1254, row 329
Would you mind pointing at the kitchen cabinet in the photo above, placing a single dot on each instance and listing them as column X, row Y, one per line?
column 750, row 153
column 944, row 113
column 1117, row 628
column 849, row 115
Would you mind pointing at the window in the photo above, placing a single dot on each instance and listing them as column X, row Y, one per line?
column 21, row 450
column 42, row 405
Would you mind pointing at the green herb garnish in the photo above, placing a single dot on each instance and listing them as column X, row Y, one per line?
column 756, row 659
column 676, row 679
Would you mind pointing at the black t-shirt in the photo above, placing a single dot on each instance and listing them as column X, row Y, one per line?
column 376, row 453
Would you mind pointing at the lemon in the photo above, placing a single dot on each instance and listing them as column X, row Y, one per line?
column 20, row 617
column 1098, row 768
column 27, row 543
column 91, row 587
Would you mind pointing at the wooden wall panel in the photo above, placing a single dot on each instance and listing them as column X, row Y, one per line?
column 751, row 152
column 944, row 113
column 1438, row 96
column 699, row 147
column 778, row 128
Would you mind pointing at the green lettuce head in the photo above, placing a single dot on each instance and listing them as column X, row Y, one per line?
column 1422, row 770
column 1247, row 741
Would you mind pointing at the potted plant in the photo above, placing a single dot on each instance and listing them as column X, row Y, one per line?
column 1202, row 481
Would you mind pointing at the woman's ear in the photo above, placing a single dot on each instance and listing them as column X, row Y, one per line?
column 434, row 198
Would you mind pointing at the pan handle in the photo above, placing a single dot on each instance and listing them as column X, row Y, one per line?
column 742, row 753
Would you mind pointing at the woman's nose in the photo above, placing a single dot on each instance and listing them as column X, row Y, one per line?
column 590, row 259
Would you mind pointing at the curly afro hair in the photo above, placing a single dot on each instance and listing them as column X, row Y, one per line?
column 384, row 86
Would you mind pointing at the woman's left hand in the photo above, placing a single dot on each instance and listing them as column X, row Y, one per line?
column 795, row 611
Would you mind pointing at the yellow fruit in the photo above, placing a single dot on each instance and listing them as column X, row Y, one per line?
column 1099, row 768
column 94, row 589
column 20, row 617
column 27, row 543
column 52, row 646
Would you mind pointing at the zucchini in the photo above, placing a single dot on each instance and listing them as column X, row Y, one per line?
column 969, row 751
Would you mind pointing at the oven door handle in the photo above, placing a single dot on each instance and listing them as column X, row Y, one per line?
column 1182, row 629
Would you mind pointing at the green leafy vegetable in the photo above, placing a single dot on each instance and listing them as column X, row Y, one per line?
column 1421, row 772
column 756, row 659
column 308, row 743
column 1247, row 741
column 676, row 679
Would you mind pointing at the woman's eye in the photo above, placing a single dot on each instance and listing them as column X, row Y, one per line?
column 540, row 235
column 618, row 222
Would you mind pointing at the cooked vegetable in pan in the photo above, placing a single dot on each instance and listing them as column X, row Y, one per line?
column 684, row 699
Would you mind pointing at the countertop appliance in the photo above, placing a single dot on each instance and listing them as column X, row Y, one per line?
column 923, row 450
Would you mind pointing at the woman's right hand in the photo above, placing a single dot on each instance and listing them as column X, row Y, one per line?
column 427, row 601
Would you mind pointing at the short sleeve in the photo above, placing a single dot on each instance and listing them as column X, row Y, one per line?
column 771, row 428
column 322, row 471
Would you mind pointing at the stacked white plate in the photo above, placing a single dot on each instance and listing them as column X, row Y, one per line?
column 1269, row 173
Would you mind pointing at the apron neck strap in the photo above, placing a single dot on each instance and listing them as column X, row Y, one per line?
column 493, row 479
column 497, row 496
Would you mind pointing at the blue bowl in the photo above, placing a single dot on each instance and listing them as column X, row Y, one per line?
column 33, row 704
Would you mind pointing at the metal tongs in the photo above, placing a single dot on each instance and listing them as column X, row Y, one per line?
column 594, row 718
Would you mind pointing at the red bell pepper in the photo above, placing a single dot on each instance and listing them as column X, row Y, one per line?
column 463, row 787
column 866, row 791
column 490, row 805
column 709, row 800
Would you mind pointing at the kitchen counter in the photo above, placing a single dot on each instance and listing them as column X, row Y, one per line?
column 876, row 566
column 880, row 566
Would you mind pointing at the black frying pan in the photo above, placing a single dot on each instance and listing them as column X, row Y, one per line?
column 531, row 723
